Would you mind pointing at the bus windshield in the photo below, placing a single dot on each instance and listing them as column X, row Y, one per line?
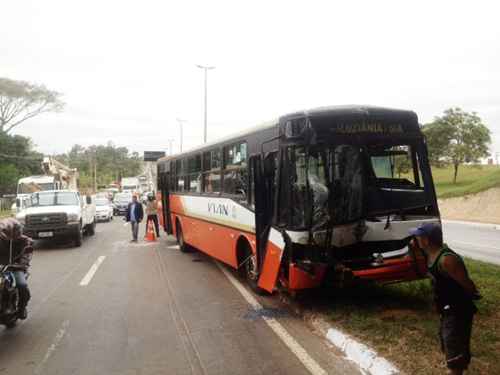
column 392, row 166
column 339, row 184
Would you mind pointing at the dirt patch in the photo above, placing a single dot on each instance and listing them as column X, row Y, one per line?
column 482, row 207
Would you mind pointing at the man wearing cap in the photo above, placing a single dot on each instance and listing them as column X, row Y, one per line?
column 454, row 293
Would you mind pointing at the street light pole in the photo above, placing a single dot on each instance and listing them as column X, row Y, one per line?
column 181, row 122
column 205, row 70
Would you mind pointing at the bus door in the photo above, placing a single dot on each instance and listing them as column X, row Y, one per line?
column 165, row 196
column 269, row 254
column 262, row 212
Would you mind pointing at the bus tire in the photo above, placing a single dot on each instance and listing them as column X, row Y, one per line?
column 248, row 268
column 183, row 246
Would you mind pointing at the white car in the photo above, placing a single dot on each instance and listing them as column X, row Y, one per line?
column 103, row 209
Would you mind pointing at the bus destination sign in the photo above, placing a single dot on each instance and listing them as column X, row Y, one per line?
column 371, row 128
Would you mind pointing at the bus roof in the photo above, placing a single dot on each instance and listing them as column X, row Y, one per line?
column 262, row 126
column 339, row 111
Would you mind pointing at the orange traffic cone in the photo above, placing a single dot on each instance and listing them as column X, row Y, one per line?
column 150, row 232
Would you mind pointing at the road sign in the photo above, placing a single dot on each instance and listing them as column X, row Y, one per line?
column 153, row 155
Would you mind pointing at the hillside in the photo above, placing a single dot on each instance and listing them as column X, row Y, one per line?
column 471, row 180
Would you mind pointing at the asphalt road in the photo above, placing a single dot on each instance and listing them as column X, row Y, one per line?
column 111, row 307
column 481, row 242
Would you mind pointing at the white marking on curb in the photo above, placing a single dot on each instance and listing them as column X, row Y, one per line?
column 313, row 366
column 57, row 339
column 366, row 358
column 88, row 277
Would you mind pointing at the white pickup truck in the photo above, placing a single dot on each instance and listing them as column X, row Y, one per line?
column 58, row 214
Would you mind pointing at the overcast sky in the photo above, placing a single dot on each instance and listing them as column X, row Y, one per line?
column 127, row 68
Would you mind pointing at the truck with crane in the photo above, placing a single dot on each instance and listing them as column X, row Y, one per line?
column 51, row 207
column 57, row 176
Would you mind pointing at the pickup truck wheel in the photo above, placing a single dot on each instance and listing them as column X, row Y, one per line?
column 79, row 237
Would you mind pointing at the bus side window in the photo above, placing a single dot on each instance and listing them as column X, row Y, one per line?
column 177, row 178
column 194, row 171
column 211, row 171
column 235, row 170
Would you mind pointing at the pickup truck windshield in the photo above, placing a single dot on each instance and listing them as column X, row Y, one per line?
column 54, row 199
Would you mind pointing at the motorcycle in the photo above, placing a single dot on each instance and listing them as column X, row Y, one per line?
column 9, row 293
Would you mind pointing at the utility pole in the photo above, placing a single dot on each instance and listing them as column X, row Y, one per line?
column 205, row 70
column 181, row 122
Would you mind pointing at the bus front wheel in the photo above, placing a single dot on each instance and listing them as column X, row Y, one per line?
column 183, row 246
column 250, row 271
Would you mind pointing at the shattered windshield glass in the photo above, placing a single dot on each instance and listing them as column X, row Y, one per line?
column 326, row 185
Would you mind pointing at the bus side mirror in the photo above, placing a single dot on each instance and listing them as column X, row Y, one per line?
column 88, row 199
column 18, row 202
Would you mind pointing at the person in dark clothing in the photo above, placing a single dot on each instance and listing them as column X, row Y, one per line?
column 22, row 252
column 454, row 295
column 134, row 215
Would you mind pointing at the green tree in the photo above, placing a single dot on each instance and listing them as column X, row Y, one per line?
column 20, row 101
column 110, row 162
column 457, row 137
column 17, row 159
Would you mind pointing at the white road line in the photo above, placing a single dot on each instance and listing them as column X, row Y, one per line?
column 88, row 277
column 297, row 349
column 494, row 248
column 57, row 339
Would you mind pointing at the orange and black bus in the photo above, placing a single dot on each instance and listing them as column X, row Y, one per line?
column 323, row 194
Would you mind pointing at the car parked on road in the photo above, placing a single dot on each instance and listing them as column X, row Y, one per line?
column 121, row 202
column 103, row 209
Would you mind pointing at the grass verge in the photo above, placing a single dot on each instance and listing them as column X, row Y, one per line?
column 471, row 180
column 399, row 321
column 4, row 213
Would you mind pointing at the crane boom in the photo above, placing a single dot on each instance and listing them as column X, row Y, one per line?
column 68, row 177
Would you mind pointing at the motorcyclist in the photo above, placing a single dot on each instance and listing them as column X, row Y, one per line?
column 22, row 252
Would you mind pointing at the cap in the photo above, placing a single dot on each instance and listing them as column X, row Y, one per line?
column 431, row 230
